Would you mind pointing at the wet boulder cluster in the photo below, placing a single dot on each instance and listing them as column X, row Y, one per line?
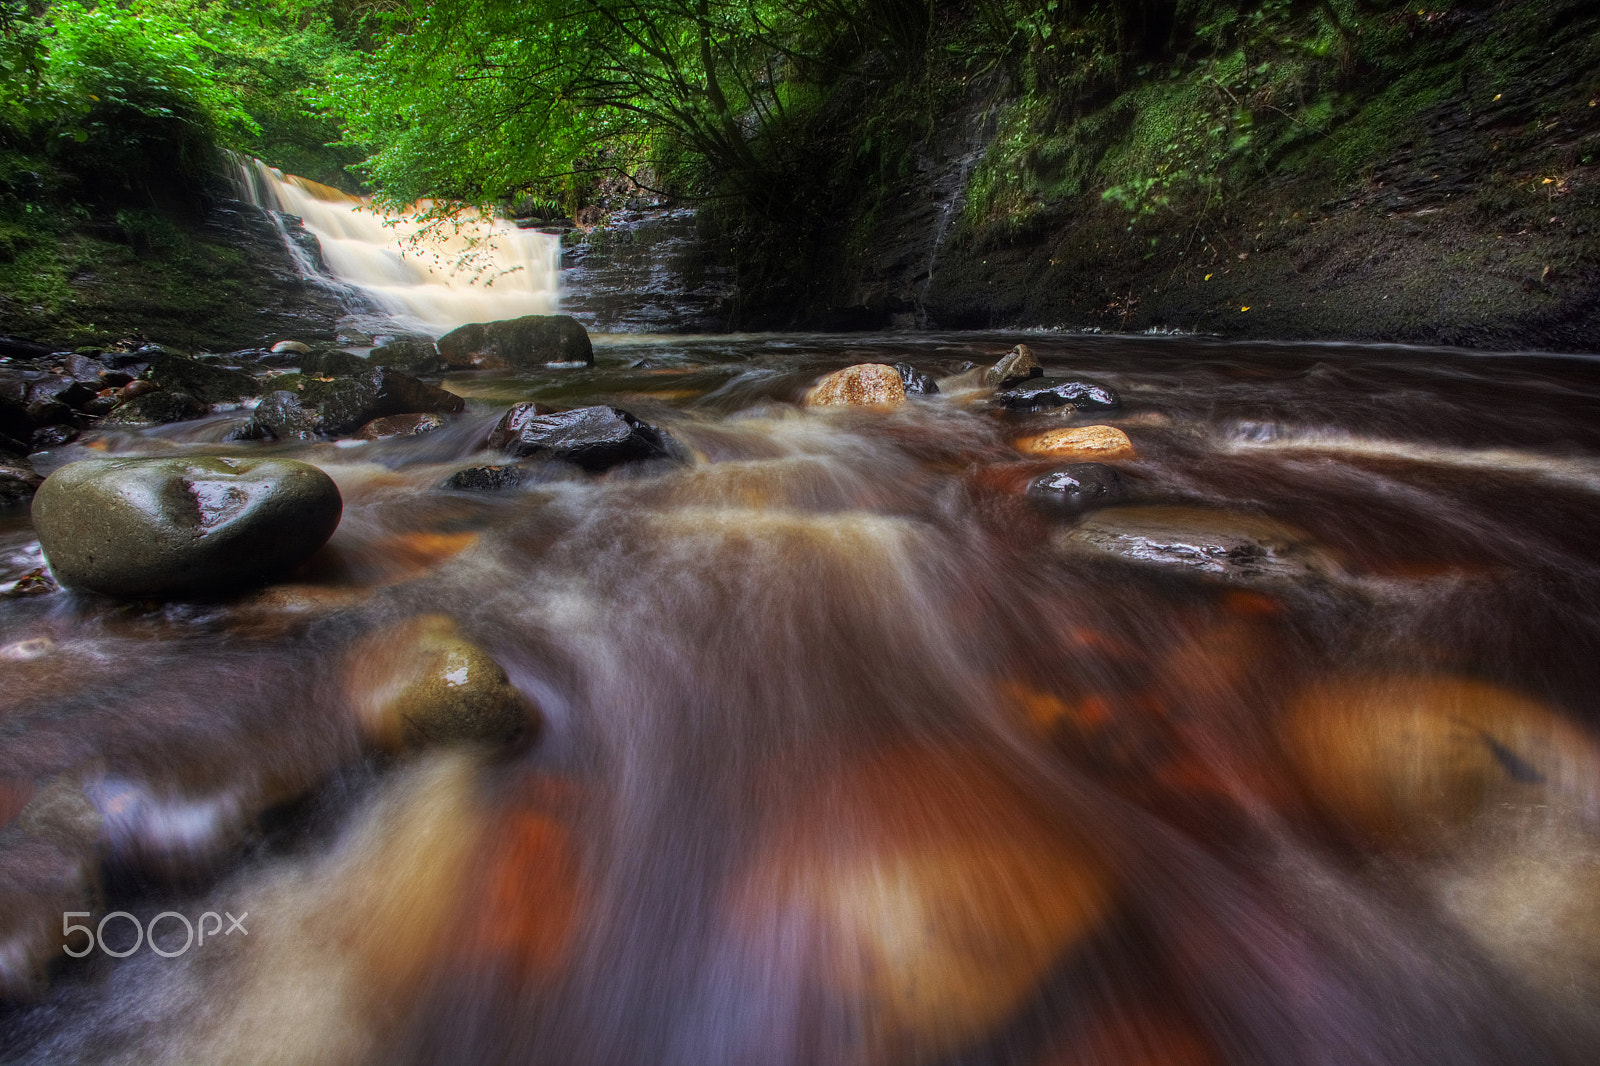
column 1079, row 476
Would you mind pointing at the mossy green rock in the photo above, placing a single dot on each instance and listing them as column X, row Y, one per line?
column 175, row 526
column 422, row 683
column 532, row 340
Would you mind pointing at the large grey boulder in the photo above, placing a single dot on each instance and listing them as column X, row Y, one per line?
column 532, row 340
column 182, row 526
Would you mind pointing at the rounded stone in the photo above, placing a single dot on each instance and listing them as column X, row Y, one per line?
column 1098, row 443
column 1078, row 486
column 863, row 385
column 198, row 524
column 422, row 683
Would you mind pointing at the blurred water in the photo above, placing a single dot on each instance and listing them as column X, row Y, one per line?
column 844, row 762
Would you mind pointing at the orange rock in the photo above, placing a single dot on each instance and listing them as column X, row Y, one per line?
column 527, row 901
column 863, row 385
column 930, row 895
column 1098, row 443
column 1403, row 758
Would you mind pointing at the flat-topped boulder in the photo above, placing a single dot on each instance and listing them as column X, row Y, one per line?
column 532, row 340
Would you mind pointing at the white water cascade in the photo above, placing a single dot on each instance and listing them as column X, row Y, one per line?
column 468, row 270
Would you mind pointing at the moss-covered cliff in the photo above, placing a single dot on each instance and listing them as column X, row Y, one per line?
column 1299, row 171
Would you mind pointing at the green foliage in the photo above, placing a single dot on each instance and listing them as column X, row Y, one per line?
column 479, row 100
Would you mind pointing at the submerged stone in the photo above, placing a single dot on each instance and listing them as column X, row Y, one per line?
column 423, row 683
column 194, row 525
column 928, row 893
column 1235, row 547
column 862, row 385
column 532, row 340
column 486, row 478
column 595, row 438
column 1078, row 486
column 1401, row 759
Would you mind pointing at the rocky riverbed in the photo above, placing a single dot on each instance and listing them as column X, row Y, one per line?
column 927, row 698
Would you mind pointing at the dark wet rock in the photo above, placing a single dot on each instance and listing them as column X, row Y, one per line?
column 208, row 384
column 65, row 391
column 17, row 348
column 1036, row 393
column 1078, row 487
column 134, row 362
column 201, row 524
column 916, row 382
column 595, row 438
column 83, row 367
column 486, row 478
column 1015, row 367
column 333, row 363
column 415, row 355
column 274, row 360
column 355, row 401
column 49, row 413
column 310, row 390
column 102, row 404
column 14, row 420
column 115, row 379
column 422, row 683
column 156, row 409
column 414, row 425
column 18, row 482
column 532, row 340
column 281, row 416
column 1223, row 544
column 55, row 436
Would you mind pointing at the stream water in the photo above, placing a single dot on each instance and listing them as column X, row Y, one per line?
column 845, row 759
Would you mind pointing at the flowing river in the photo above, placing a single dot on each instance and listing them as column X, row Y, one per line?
column 850, row 753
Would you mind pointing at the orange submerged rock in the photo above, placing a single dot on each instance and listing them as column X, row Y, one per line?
column 863, row 385
column 1403, row 758
column 1102, row 443
column 931, row 895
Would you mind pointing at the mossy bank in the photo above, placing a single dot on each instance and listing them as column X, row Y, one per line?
column 1327, row 171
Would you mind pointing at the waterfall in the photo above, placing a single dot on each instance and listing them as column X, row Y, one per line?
column 470, row 269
